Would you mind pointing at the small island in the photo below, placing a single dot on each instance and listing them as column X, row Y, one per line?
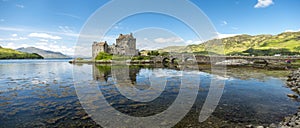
column 258, row 55
column 124, row 49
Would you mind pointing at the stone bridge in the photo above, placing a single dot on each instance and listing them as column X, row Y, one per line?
column 201, row 59
column 175, row 59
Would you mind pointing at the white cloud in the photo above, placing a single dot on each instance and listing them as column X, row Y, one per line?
column 44, row 35
column 20, row 6
column 234, row 28
column 14, row 35
column 14, row 39
column 263, row 3
column 13, row 45
column 168, row 40
column 110, row 39
column 43, row 40
column 117, row 26
column 42, row 45
column 221, row 35
column 66, row 29
column 290, row 30
column 69, row 15
column 11, row 29
column 76, row 35
column 189, row 42
column 224, row 23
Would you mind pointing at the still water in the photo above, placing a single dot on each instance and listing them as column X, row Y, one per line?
column 41, row 93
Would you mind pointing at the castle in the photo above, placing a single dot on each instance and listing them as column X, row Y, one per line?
column 125, row 45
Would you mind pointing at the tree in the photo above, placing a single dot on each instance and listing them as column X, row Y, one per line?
column 153, row 53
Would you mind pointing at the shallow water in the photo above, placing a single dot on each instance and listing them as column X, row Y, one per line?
column 41, row 93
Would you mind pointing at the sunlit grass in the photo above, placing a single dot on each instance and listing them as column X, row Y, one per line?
column 6, row 53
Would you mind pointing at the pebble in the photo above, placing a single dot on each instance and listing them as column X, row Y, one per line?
column 249, row 126
column 85, row 117
column 292, row 95
column 54, row 120
column 294, row 120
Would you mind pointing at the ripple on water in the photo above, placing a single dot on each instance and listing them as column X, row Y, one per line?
column 45, row 96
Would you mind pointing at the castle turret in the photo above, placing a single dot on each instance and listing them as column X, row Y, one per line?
column 126, row 44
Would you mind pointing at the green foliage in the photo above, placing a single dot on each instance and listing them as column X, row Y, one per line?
column 297, row 48
column 121, row 57
column 6, row 53
column 269, row 52
column 164, row 54
column 141, row 58
column 153, row 53
column 104, row 56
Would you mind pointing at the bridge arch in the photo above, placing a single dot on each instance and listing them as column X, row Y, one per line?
column 166, row 60
column 175, row 60
column 260, row 62
column 188, row 59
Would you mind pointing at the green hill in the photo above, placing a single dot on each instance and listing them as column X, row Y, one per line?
column 44, row 53
column 287, row 43
column 6, row 53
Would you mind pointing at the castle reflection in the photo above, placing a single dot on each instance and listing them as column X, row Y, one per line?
column 129, row 73
column 103, row 72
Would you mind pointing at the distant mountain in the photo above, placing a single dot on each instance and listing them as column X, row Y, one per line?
column 7, row 53
column 287, row 43
column 173, row 49
column 44, row 53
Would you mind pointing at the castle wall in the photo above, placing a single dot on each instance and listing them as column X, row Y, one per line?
column 99, row 47
column 125, row 45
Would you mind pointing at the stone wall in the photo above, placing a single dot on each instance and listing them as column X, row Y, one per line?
column 125, row 45
column 99, row 47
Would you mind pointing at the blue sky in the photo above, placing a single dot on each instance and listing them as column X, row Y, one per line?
column 55, row 24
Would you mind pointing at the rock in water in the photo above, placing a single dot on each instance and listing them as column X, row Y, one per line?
column 292, row 95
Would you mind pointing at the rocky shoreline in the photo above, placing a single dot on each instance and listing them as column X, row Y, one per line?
column 293, row 82
column 292, row 121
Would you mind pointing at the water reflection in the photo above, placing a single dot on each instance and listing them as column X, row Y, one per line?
column 249, row 96
column 42, row 94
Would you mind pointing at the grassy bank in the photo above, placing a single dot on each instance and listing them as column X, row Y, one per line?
column 6, row 53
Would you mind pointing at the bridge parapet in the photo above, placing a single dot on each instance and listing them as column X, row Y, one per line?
column 184, row 58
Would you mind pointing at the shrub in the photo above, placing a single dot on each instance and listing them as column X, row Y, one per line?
column 103, row 56
column 141, row 58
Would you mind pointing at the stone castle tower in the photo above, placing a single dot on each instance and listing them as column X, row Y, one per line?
column 125, row 45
